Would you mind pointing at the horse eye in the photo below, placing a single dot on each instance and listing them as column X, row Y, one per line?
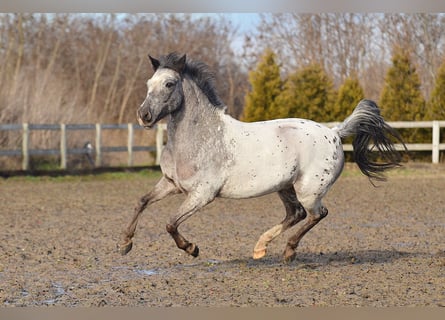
column 169, row 84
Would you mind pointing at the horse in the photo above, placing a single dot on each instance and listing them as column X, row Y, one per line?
column 209, row 154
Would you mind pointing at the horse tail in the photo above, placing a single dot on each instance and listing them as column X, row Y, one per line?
column 371, row 131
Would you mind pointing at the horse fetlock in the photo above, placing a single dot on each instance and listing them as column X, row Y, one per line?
column 171, row 229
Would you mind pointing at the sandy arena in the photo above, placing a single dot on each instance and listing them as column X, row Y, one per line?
column 380, row 246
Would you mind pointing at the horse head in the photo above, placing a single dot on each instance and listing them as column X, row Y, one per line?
column 164, row 89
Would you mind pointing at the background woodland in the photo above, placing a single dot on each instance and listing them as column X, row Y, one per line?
column 88, row 68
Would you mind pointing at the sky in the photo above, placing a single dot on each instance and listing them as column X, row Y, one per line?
column 242, row 22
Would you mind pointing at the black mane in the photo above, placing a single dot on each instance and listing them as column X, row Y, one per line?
column 199, row 72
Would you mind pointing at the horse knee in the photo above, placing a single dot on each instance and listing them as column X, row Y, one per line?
column 171, row 229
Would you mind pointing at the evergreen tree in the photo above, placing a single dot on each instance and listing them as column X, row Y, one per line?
column 401, row 98
column 266, row 84
column 308, row 94
column 349, row 95
column 436, row 110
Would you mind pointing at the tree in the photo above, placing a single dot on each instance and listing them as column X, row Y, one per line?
column 423, row 35
column 401, row 97
column 437, row 103
column 349, row 95
column 308, row 93
column 340, row 42
column 266, row 83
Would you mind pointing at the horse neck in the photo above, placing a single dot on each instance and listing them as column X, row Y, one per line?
column 196, row 114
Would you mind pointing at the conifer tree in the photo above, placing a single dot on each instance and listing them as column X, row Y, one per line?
column 401, row 98
column 309, row 94
column 266, row 84
column 436, row 110
column 349, row 95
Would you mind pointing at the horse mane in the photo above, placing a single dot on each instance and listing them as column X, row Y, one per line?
column 198, row 72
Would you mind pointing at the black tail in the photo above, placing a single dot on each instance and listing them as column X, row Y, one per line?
column 368, row 126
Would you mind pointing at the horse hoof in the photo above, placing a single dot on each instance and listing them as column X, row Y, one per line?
column 192, row 250
column 195, row 252
column 125, row 248
column 258, row 254
column 289, row 255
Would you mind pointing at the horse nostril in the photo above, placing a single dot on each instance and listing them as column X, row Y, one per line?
column 144, row 115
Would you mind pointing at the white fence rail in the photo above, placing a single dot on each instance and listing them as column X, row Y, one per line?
column 26, row 151
column 435, row 146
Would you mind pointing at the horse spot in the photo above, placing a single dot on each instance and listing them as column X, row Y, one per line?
column 326, row 137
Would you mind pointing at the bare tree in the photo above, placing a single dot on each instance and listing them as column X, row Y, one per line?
column 422, row 34
column 337, row 41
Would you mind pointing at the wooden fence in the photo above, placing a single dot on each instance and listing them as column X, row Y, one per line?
column 26, row 150
column 97, row 148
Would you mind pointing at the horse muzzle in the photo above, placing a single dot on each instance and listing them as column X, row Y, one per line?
column 145, row 118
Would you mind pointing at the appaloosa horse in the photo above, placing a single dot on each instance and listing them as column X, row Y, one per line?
column 209, row 154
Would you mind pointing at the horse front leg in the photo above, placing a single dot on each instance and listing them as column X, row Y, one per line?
column 191, row 205
column 162, row 189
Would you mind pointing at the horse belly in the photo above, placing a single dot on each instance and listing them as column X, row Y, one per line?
column 252, row 178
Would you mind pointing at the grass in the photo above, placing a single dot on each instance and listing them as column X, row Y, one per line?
column 104, row 176
column 411, row 169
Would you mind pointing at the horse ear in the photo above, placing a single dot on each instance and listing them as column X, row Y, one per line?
column 180, row 64
column 154, row 62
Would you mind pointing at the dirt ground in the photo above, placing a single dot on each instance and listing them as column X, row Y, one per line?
column 380, row 246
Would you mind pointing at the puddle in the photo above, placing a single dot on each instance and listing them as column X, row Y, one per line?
column 150, row 272
column 210, row 264
column 58, row 292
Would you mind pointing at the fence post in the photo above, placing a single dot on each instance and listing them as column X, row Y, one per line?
column 159, row 142
column 130, row 144
column 436, row 141
column 25, row 147
column 63, row 146
column 98, row 162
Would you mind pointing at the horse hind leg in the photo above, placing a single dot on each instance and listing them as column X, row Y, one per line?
column 162, row 189
column 294, row 213
column 315, row 216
